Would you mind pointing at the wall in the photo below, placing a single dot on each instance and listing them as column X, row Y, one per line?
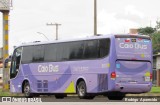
column 158, row 62
column 158, row 70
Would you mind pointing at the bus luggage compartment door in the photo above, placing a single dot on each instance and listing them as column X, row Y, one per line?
column 133, row 76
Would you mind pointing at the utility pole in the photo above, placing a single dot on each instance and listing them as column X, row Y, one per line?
column 95, row 17
column 5, row 9
column 56, row 24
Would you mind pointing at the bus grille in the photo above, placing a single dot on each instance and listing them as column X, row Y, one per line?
column 42, row 85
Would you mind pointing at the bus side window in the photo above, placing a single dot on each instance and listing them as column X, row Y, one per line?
column 59, row 52
column 76, row 50
column 66, row 51
column 50, row 52
column 91, row 49
column 104, row 45
column 27, row 54
column 38, row 53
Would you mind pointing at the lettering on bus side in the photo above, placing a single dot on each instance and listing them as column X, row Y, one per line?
column 48, row 68
column 80, row 69
column 136, row 46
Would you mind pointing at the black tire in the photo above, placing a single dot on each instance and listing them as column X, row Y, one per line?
column 116, row 96
column 27, row 90
column 60, row 96
column 81, row 90
column 90, row 96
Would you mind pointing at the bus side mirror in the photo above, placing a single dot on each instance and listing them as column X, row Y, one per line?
column 5, row 65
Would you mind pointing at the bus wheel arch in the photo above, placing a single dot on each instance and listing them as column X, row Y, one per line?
column 26, row 86
column 81, row 88
column 81, row 83
column 23, row 83
column 78, row 81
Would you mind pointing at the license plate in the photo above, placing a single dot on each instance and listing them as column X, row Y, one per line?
column 147, row 79
column 133, row 82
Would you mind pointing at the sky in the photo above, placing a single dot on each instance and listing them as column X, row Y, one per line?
column 27, row 17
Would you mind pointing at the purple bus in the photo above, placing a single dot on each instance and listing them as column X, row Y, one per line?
column 110, row 65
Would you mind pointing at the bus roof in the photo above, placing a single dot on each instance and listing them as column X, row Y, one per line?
column 80, row 39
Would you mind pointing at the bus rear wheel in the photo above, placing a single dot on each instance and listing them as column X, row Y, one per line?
column 116, row 96
column 60, row 96
column 82, row 91
column 27, row 90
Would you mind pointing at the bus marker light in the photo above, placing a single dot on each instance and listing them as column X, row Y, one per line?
column 108, row 65
column 113, row 75
column 142, row 55
column 133, row 40
column 151, row 76
column 127, row 40
column 147, row 74
column 118, row 66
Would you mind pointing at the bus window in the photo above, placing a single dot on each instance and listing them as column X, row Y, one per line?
column 27, row 54
column 130, row 47
column 38, row 53
column 59, row 52
column 104, row 45
column 91, row 49
column 50, row 52
column 66, row 51
column 16, row 58
column 77, row 50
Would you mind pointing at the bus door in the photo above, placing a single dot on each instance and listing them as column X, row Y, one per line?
column 16, row 60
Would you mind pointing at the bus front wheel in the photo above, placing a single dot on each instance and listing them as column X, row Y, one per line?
column 27, row 90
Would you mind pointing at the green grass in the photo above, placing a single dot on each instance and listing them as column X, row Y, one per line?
column 155, row 90
column 5, row 93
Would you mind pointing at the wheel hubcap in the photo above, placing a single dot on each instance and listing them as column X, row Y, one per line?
column 81, row 91
column 26, row 90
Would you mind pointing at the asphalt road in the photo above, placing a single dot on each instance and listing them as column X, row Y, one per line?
column 99, row 100
column 129, row 98
column 104, row 99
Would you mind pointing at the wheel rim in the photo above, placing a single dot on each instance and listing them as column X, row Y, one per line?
column 27, row 90
column 81, row 90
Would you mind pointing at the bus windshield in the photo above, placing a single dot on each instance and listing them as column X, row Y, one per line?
column 133, row 48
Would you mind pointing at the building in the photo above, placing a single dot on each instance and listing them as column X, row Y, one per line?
column 133, row 31
column 156, row 69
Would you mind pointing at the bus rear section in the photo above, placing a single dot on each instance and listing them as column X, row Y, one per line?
column 133, row 67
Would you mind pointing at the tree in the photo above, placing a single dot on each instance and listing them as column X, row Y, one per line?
column 156, row 42
column 158, row 25
column 146, row 31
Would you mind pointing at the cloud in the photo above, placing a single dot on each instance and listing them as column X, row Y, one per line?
column 110, row 23
column 131, row 10
column 121, row 21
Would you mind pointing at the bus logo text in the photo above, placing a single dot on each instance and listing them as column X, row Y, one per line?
column 136, row 46
column 48, row 68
